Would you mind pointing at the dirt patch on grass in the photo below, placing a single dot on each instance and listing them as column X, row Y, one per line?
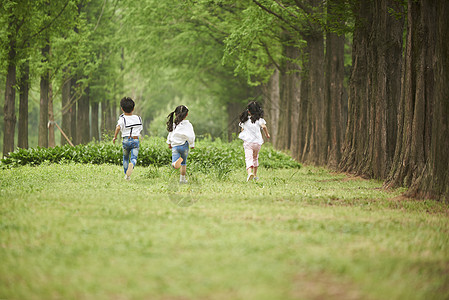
column 325, row 286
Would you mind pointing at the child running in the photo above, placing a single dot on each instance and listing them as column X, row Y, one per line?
column 180, row 137
column 251, row 121
column 130, row 125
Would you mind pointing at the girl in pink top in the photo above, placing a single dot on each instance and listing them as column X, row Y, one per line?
column 251, row 122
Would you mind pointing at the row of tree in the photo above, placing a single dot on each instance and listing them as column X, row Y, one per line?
column 59, row 45
column 396, row 126
column 382, row 115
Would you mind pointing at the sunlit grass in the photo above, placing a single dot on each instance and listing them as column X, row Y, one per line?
column 76, row 231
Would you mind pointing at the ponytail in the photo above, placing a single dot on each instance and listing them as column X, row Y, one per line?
column 244, row 116
column 170, row 122
column 180, row 114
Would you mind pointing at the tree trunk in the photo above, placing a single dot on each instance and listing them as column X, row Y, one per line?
column 94, row 121
column 334, row 96
column 113, row 115
column 24, row 87
column 353, row 151
column 66, row 108
column 374, row 90
column 74, row 112
column 303, row 119
column 334, row 92
column 270, row 92
column 435, row 182
column 234, row 110
column 385, row 53
column 105, row 118
column 51, row 118
column 9, row 109
column 316, row 138
column 421, row 156
column 288, row 68
column 43, row 107
column 295, row 107
column 83, row 118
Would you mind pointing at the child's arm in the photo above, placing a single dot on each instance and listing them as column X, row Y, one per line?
column 265, row 130
column 117, row 130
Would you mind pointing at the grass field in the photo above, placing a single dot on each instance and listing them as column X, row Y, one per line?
column 75, row 231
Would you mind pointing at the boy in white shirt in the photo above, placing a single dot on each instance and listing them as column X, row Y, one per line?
column 180, row 137
column 130, row 126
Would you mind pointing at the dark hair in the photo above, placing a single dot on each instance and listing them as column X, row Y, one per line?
column 254, row 110
column 180, row 112
column 127, row 104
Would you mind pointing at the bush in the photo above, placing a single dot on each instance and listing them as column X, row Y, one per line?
column 220, row 156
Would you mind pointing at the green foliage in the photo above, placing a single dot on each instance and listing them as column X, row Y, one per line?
column 207, row 156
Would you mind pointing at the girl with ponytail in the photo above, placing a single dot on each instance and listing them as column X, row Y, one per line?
column 251, row 122
column 180, row 137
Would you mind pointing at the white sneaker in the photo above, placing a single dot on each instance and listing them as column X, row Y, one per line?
column 250, row 177
column 127, row 177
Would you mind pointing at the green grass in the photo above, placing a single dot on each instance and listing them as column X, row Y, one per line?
column 79, row 231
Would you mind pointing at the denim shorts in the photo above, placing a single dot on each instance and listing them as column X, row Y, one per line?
column 180, row 151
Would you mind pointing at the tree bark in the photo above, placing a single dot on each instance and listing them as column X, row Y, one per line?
column 295, row 108
column 83, row 118
column 334, row 92
column 316, row 138
column 374, row 90
column 9, row 113
column 94, row 121
column 288, row 68
column 270, row 92
column 74, row 112
column 105, row 118
column 43, row 107
column 24, row 87
column 304, row 102
column 51, row 118
column 234, row 110
column 421, row 157
column 385, row 84
column 66, row 108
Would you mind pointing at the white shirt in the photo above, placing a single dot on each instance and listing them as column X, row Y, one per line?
column 130, row 125
column 181, row 133
column 251, row 131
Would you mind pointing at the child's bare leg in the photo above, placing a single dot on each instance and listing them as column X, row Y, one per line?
column 177, row 163
column 183, row 170
column 250, row 174
column 255, row 171
column 250, row 170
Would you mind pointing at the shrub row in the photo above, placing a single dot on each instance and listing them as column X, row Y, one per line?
column 153, row 151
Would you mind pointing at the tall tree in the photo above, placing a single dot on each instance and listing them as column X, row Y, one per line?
column 421, row 156
column 374, row 89
column 66, row 107
column 83, row 121
column 317, row 109
column 24, row 86
column 271, row 99
column 334, row 86
column 9, row 114
column 44, row 94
